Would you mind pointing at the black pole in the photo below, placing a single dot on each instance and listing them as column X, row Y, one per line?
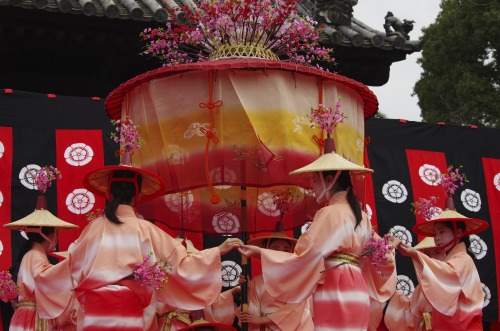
column 245, row 262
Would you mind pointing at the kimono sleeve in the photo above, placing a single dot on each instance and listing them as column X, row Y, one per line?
column 440, row 281
column 289, row 316
column 293, row 277
column 53, row 290
column 222, row 310
column 398, row 315
column 195, row 281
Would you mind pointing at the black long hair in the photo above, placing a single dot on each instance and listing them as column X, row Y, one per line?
column 465, row 239
column 344, row 183
column 122, row 192
column 33, row 237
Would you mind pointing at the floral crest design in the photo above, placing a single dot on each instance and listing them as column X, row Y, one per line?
column 9, row 291
column 127, row 135
column 153, row 274
column 327, row 118
column 284, row 198
column 44, row 177
column 217, row 29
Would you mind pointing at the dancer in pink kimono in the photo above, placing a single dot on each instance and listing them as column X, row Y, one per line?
column 334, row 241
column 266, row 313
column 408, row 313
column 40, row 228
column 102, row 262
column 451, row 287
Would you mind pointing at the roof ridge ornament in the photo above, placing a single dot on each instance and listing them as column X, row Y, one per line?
column 401, row 28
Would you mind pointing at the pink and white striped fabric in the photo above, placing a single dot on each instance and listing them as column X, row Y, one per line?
column 453, row 288
column 341, row 296
column 285, row 316
column 106, row 253
column 25, row 317
column 406, row 313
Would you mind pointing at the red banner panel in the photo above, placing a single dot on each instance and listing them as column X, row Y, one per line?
column 491, row 169
column 77, row 152
column 5, row 195
column 425, row 170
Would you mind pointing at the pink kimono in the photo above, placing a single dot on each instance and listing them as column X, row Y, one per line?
column 26, row 317
column 341, row 296
column 408, row 313
column 453, row 289
column 105, row 255
column 286, row 316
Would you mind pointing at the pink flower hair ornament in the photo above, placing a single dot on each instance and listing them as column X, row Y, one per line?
column 326, row 118
column 452, row 179
column 44, row 177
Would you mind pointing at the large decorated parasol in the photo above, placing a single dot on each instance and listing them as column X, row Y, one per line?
column 224, row 129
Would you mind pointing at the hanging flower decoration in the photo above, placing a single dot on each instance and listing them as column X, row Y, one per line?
column 326, row 118
column 379, row 250
column 284, row 199
column 151, row 274
column 9, row 291
column 425, row 207
column 93, row 215
column 452, row 179
column 218, row 29
column 44, row 177
column 127, row 135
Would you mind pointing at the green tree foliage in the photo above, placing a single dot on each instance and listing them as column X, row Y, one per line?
column 460, row 82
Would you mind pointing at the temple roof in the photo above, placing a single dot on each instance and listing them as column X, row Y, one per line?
column 89, row 47
column 346, row 31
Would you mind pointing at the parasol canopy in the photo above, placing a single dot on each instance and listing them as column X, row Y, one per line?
column 227, row 131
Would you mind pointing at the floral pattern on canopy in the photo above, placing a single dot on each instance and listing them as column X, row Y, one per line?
column 216, row 127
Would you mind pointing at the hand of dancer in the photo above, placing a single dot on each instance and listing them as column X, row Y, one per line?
column 407, row 250
column 229, row 244
column 249, row 318
column 250, row 250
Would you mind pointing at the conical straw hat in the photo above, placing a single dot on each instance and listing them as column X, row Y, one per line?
column 264, row 240
column 472, row 225
column 426, row 243
column 40, row 217
column 332, row 161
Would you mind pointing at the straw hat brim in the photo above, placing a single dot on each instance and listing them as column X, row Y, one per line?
column 426, row 243
column 40, row 217
column 332, row 161
column 262, row 241
column 216, row 326
column 472, row 225
column 97, row 181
